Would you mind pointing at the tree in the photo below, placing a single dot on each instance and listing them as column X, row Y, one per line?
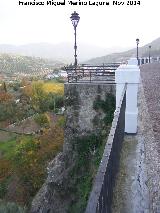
column 25, row 162
column 39, row 97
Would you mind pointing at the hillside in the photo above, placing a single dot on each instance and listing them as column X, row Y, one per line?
column 14, row 64
column 62, row 51
column 119, row 57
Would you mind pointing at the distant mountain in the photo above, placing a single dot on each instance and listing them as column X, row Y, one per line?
column 123, row 56
column 62, row 51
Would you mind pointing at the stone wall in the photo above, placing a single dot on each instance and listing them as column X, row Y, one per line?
column 81, row 118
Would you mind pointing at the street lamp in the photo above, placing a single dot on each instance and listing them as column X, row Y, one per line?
column 149, row 53
column 137, row 41
column 75, row 19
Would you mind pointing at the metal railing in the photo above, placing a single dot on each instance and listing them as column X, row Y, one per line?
column 100, row 199
column 89, row 73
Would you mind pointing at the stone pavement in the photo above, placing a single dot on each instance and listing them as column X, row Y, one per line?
column 150, row 126
column 150, row 74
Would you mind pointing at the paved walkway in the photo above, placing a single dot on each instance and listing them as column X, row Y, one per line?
column 150, row 108
column 150, row 74
column 138, row 183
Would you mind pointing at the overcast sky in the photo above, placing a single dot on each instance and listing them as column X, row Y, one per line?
column 104, row 26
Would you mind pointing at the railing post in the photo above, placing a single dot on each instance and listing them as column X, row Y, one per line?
column 129, row 74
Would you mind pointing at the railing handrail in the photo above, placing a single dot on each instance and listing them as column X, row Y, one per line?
column 116, row 64
column 92, row 72
column 97, row 69
column 99, row 181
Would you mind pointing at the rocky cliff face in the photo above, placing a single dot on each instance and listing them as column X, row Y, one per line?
column 53, row 197
column 82, row 119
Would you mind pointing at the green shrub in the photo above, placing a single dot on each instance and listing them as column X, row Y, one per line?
column 89, row 153
column 3, row 187
column 86, row 146
column 107, row 106
column 42, row 120
column 61, row 121
column 11, row 208
column 55, row 101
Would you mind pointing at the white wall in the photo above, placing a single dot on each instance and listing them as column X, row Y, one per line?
column 129, row 74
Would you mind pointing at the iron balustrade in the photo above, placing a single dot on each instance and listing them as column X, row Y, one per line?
column 100, row 199
column 104, row 65
column 90, row 73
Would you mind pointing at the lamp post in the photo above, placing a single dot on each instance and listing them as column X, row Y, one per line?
column 137, row 41
column 149, row 53
column 75, row 19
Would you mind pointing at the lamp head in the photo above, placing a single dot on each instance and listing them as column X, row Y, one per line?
column 75, row 18
column 137, row 40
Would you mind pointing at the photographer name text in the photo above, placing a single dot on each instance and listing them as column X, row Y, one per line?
column 78, row 3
